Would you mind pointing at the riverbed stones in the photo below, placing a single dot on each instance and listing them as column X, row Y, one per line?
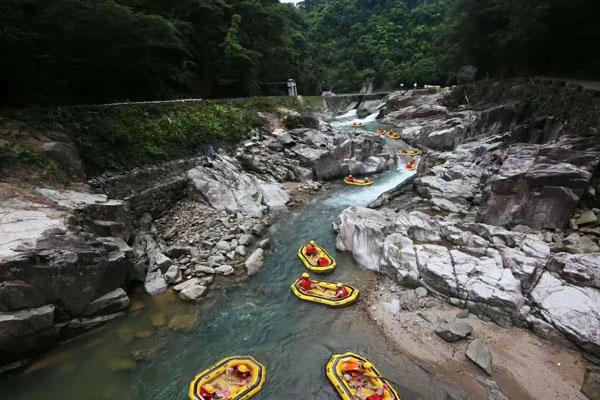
column 255, row 261
column 453, row 331
column 480, row 354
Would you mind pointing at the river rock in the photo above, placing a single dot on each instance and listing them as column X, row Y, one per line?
column 155, row 283
column 224, row 270
column 192, row 292
column 173, row 274
column 113, row 301
column 223, row 245
column 186, row 284
column 453, row 331
column 480, row 354
column 204, row 269
column 255, row 261
column 216, row 260
column 263, row 244
column 586, row 218
column 246, row 239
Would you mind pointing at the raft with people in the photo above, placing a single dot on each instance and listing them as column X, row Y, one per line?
column 393, row 135
column 233, row 378
column 410, row 152
column 350, row 180
column 316, row 258
column 356, row 378
column 412, row 164
column 358, row 125
column 323, row 292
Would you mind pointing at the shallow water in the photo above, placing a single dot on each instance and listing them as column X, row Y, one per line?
column 260, row 317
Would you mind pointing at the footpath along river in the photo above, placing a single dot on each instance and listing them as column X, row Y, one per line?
column 259, row 317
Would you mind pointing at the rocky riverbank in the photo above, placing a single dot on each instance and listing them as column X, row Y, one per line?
column 68, row 256
column 501, row 218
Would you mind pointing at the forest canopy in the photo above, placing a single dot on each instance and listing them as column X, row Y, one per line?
column 93, row 51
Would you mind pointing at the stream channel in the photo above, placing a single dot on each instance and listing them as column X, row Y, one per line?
column 257, row 316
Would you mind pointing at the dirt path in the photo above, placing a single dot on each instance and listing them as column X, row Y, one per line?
column 525, row 366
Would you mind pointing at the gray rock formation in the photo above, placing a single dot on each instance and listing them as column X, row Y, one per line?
column 453, row 331
column 573, row 310
column 480, row 354
column 226, row 186
column 255, row 261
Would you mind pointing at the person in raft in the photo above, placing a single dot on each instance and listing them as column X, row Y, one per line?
column 350, row 178
column 305, row 283
column 208, row 392
column 378, row 395
column 341, row 292
column 354, row 370
column 311, row 249
column 238, row 375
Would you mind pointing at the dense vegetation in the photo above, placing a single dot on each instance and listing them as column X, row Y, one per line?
column 387, row 41
column 516, row 38
column 84, row 51
column 91, row 51
column 120, row 138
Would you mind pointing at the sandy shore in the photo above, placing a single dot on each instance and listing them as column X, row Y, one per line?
column 525, row 366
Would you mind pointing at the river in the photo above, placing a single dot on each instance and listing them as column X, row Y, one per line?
column 258, row 316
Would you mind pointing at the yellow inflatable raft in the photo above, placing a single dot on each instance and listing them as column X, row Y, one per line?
column 217, row 377
column 393, row 135
column 324, row 293
column 358, row 125
column 410, row 152
column 358, row 182
column 312, row 262
column 381, row 131
column 371, row 380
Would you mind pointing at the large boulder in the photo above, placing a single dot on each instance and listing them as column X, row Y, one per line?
column 362, row 231
column 573, row 310
column 227, row 187
column 25, row 331
column 538, row 186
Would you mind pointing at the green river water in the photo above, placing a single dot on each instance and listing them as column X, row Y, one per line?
column 259, row 317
